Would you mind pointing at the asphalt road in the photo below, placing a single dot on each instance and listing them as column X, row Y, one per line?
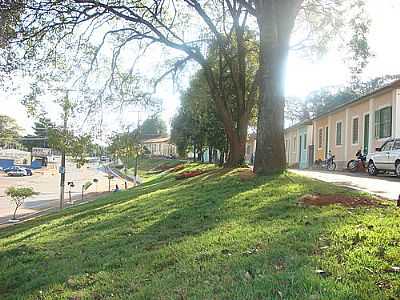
column 47, row 183
column 383, row 186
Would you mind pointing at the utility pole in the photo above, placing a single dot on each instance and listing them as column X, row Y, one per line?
column 66, row 108
column 137, row 153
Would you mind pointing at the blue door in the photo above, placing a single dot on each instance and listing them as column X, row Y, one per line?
column 303, row 153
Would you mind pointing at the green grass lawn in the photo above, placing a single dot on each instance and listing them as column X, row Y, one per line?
column 147, row 165
column 209, row 237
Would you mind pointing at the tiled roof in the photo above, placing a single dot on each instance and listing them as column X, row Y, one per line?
column 157, row 140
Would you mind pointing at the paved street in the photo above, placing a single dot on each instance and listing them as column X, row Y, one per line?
column 384, row 186
column 47, row 183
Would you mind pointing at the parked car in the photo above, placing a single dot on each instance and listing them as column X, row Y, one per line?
column 18, row 171
column 385, row 159
column 28, row 171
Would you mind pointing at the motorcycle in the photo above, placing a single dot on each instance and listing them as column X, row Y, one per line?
column 357, row 164
column 328, row 163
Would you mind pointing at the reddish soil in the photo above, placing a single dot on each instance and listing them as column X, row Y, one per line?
column 177, row 168
column 246, row 175
column 191, row 174
column 349, row 201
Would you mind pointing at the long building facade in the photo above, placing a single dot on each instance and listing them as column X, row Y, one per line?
column 362, row 124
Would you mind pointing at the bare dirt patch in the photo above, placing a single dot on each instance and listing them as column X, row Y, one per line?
column 246, row 175
column 348, row 201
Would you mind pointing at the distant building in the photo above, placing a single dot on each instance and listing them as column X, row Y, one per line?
column 299, row 145
column 10, row 157
column 160, row 146
column 250, row 148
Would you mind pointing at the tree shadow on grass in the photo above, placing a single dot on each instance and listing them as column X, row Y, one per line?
column 142, row 237
column 184, row 216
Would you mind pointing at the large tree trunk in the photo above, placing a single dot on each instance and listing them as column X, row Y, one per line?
column 276, row 20
column 237, row 144
column 235, row 130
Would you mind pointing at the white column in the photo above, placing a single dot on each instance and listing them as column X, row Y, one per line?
column 371, row 125
column 396, row 114
column 315, row 140
column 329, row 133
column 347, row 127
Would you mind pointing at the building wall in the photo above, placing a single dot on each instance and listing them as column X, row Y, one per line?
column 337, row 149
column 161, row 149
column 358, row 111
column 321, row 123
column 292, row 143
column 291, row 146
column 348, row 148
column 250, row 149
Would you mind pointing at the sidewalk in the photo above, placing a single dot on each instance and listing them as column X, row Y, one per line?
column 24, row 214
column 382, row 186
column 48, row 186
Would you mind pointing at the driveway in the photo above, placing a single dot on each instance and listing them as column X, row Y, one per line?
column 383, row 186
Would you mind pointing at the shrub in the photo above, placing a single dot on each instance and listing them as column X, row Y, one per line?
column 18, row 196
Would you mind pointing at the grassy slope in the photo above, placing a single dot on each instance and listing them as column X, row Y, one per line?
column 196, row 239
column 149, row 164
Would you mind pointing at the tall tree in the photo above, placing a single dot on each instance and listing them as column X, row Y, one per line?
column 196, row 125
column 40, row 138
column 153, row 126
column 9, row 130
column 276, row 20
column 223, row 22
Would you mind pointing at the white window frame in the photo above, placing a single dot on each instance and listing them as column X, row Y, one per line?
column 322, row 138
column 379, row 107
column 341, row 134
column 294, row 150
column 352, row 130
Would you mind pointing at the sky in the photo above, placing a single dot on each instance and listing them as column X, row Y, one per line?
column 303, row 74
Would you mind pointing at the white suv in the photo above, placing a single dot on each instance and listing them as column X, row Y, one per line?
column 386, row 158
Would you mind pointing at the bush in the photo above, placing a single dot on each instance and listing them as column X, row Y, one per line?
column 18, row 196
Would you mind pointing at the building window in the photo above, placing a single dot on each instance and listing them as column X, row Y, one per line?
column 305, row 142
column 383, row 123
column 355, row 131
column 339, row 133
column 320, row 138
column 294, row 144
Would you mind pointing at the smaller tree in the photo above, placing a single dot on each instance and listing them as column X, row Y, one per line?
column 71, row 144
column 18, row 196
column 126, row 146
